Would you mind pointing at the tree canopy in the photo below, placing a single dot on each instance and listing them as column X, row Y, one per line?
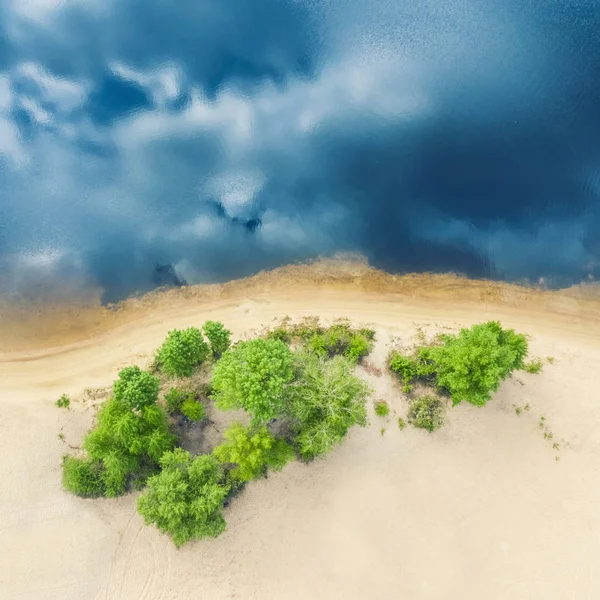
column 182, row 351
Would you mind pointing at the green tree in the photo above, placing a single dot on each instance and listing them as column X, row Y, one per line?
column 218, row 337
column 182, row 351
column 174, row 400
column 253, row 376
column 83, row 477
column 325, row 401
column 472, row 364
column 253, row 450
column 135, row 388
column 185, row 500
column 192, row 409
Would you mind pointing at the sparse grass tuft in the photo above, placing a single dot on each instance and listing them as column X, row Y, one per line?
column 401, row 423
column 533, row 366
column 63, row 401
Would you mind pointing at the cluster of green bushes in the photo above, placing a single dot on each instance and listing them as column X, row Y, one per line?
column 314, row 396
column 340, row 339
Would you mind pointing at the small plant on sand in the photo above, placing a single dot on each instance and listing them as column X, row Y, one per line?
column 411, row 368
column 185, row 500
column 325, row 400
column 533, row 366
column 219, row 338
column 252, row 450
column 253, row 375
column 401, row 423
column 518, row 409
column 63, row 401
column 382, row 408
column 192, row 409
column 382, row 431
column 427, row 412
column 181, row 352
column 550, row 360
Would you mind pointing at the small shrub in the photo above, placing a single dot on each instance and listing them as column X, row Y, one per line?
column 192, row 409
column 253, row 376
column 358, row 347
column 63, row 401
column 83, row 477
column 410, row 368
column 368, row 334
column 382, row 430
column 401, row 423
column 381, row 408
column 252, row 450
column 218, row 337
column 182, row 351
column 281, row 334
column 185, row 500
column 174, row 399
column 426, row 412
column 550, row 360
column 533, row 366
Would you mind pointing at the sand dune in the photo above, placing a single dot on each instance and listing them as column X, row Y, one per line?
column 480, row 509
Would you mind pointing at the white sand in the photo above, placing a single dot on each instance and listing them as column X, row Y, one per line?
column 479, row 510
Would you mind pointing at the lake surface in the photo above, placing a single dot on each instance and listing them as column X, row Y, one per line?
column 149, row 142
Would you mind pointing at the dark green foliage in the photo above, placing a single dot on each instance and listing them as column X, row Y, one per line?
column 381, row 408
column 83, row 477
column 174, row 399
column 281, row 334
column 411, row 368
column 427, row 412
column 253, row 375
column 472, row 364
column 533, row 366
column 135, row 388
column 252, row 450
column 368, row 334
column 325, row 401
column 219, row 338
column 358, row 347
column 182, row 351
column 192, row 409
column 63, row 401
column 185, row 500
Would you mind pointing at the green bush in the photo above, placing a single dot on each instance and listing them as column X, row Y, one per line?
column 252, row 450
column 472, row 364
column 174, row 399
column 182, row 351
column 219, row 338
column 357, row 348
column 135, row 388
column 82, row 477
column 253, row 376
column 63, row 401
column 192, row 409
column 325, row 401
column 401, row 423
column 185, row 500
column 427, row 412
column 381, row 408
column 533, row 366
column 281, row 334
column 410, row 368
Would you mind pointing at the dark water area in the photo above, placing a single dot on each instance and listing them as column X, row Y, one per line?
column 145, row 143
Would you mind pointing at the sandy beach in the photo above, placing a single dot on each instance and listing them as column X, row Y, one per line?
column 483, row 508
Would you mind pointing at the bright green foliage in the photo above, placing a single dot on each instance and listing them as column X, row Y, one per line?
column 192, row 409
column 218, row 337
column 174, row 399
column 533, row 366
column 126, row 443
column 82, row 477
column 135, row 388
column 410, row 368
column 253, row 375
column 182, row 351
column 472, row 364
column 381, row 408
column 325, row 401
column 185, row 500
column 357, row 348
column 63, row 401
column 426, row 412
column 252, row 450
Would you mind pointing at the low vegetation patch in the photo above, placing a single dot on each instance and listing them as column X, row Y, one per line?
column 533, row 366
column 381, row 408
column 427, row 412
column 63, row 401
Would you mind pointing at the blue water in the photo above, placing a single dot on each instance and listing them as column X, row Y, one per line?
column 147, row 142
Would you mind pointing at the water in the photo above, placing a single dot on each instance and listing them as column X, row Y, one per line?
column 144, row 143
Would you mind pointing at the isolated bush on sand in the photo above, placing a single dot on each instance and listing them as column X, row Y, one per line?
column 427, row 412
